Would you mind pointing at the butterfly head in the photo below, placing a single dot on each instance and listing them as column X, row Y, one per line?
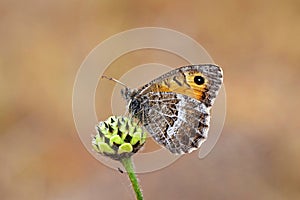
column 128, row 94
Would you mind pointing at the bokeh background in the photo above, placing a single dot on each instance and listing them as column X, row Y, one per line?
column 43, row 43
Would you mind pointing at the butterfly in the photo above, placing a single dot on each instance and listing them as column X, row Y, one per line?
column 175, row 107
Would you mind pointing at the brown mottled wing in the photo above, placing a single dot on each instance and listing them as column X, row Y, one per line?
column 176, row 121
column 175, row 109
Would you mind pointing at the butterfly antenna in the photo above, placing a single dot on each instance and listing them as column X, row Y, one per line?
column 115, row 80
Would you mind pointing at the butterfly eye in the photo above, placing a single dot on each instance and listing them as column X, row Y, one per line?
column 199, row 80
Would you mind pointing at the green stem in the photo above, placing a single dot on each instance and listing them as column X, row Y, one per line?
column 127, row 163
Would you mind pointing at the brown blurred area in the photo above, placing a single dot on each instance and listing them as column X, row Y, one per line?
column 43, row 43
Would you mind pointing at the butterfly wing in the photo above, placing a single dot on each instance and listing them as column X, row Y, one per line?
column 178, row 122
column 201, row 82
column 175, row 107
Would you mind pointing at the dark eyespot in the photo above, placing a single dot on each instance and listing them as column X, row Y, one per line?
column 199, row 80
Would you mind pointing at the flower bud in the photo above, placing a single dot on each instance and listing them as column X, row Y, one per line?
column 118, row 137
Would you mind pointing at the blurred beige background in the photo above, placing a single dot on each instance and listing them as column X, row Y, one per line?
column 42, row 44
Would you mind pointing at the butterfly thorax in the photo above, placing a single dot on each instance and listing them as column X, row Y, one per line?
column 134, row 102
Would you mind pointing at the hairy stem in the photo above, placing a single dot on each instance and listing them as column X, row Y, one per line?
column 127, row 163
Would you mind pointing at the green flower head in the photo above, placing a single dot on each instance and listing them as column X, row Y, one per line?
column 118, row 137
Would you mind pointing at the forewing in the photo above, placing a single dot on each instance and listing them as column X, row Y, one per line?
column 182, row 81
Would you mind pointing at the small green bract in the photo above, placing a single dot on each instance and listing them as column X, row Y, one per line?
column 118, row 137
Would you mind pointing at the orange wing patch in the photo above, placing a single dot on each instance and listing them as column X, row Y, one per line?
column 183, row 83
